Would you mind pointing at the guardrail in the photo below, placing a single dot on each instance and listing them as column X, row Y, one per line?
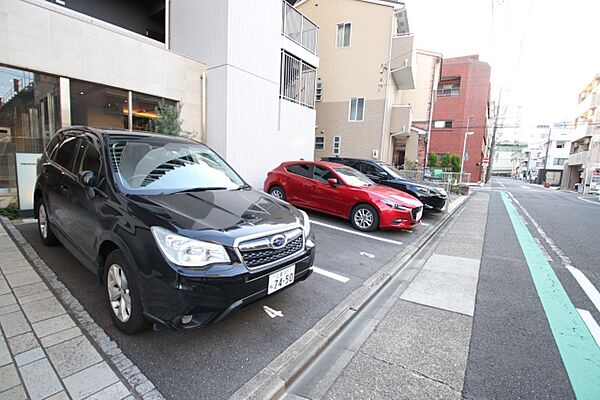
column 299, row 29
column 445, row 181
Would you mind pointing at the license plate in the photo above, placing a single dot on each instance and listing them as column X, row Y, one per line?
column 281, row 279
column 419, row 215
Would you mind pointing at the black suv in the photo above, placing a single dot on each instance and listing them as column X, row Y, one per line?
column 432, row 197
column 174, row 233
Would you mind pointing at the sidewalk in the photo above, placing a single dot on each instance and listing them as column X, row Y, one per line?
column 43, row 352
column 419, row 348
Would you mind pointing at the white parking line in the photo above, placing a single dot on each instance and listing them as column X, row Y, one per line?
column 312, row 221
column 591, row 323
column 330, row 274
column 588, row 201
column 586, row 285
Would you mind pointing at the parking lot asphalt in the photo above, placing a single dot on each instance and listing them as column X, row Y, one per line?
column 212, row 362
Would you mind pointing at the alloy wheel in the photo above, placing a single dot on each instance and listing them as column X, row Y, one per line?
column 363, row 218
column 43, row 221
column 277, row 193
column 118, row 293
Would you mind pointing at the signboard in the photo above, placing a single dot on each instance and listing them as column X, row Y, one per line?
column 595, row 182
column 486, row 160
column 26, row 176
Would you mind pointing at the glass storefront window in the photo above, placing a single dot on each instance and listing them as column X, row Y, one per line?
column 145, row 110
column 99, row 106
column 29, row 116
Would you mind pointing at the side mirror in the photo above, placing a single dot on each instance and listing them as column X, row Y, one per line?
column 382, row 174
column 87, row 179
column 333, row 182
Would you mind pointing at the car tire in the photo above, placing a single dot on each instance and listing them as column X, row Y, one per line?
column 44, row 228
column 122, row 295
column 277, row 192
column 364, row 217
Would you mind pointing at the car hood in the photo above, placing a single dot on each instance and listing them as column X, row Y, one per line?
column 418, row 184
column 396, row 195
column 219, row 214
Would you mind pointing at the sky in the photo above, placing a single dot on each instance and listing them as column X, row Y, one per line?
column 542, row 52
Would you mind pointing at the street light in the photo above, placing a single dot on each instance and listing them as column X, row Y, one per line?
column 462, row 161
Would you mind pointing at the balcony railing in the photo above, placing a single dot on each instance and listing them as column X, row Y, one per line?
column 579, row 158
column 299, row 29
column 298, row 81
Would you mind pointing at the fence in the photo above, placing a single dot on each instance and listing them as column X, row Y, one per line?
column 445, row 181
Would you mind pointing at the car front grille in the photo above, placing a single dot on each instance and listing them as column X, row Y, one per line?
column 416, row 213
column 261, row 254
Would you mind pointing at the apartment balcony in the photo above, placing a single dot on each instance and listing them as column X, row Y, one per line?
column 300, row 35
column 583, row 130
column 591, row 101
column 401, row 119
column 579, row 158
column 402, row 63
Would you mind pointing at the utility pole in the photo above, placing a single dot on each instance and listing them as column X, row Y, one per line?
column 547, row 153
column 493, row 144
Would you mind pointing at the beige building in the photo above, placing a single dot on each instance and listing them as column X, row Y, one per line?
column 372, row 84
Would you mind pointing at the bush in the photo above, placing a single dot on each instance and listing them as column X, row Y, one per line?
column 10, row 212
column 169, row 120
column 410, row 165
column 455, row 163
column 447, row 162
column 433, row 160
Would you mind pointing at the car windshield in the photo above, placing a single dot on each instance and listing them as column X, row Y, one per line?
column 353, row 177
column 392, row 171
column 148, row 165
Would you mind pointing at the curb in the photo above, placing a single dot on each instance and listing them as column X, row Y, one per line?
column 272, row 380
column 139, row 384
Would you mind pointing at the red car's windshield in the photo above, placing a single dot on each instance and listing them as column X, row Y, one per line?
column 353, row 177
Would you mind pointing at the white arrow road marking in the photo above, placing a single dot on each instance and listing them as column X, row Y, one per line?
column 330, row 274
column 272, row 313
column 591, row 324
column 362, row 253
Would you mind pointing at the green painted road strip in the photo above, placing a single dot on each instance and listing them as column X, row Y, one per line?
column 577, row 347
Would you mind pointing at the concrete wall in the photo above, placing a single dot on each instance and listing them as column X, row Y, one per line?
column 41, row 36
column 246, row 121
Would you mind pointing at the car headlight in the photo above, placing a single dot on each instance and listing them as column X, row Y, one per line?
column 186, row 252
column 394, row 205
column 442, row 192
column 305, row 222
column 423, row 190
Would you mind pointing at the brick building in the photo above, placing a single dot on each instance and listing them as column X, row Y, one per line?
column 462, row 105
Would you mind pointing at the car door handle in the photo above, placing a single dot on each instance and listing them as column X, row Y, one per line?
column 64, row 188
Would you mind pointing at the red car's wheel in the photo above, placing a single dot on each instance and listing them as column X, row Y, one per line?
column 364, row 217
column 277, row 191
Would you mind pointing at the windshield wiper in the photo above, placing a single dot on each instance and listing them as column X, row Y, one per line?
column 199, row 189
column 243, row 187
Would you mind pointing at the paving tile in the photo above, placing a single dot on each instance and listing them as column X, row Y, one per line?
column 90, row 381
column 9, row 309
column 59, row 396
column 22, row 278
column 5, row 357
column 58, row 337
column 21, row 343
column 53, row 325
column 28, row 290
column 44, row 294
column 14, row 324
column 16, row 267
column 73, row 355
column 40, row 379
column 8, row 377
column 117, row 391
column 4, row 288
column 16, row 393
column 43, row 309
column 29, row 356
column 7, row 299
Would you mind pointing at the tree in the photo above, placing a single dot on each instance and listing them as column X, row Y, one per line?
column 455, row 162
column 447, row 162
column 433, row 160
column 169, row 120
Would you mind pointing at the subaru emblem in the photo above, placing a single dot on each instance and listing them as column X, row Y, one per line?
column 278, row 241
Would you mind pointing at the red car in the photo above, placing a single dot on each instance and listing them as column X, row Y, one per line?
column 345, row 192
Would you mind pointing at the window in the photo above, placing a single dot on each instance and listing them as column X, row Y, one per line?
column 90, row 160
column 449, row 87
column 344, row 32
column 304, row 170
column 319, row 94
column 356, row 109
column 319, row 143
column 442, row 124
column 560, row 161
column 322, row 174
column 560, row 145
column 337, row 144
column 298, row 81
column 368, row 169
column 64, row 155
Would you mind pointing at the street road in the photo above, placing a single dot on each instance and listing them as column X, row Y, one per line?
column 527, row 340
column 212, row 362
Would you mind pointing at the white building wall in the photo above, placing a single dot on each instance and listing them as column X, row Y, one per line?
column 41, row 36
column 246, row 121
